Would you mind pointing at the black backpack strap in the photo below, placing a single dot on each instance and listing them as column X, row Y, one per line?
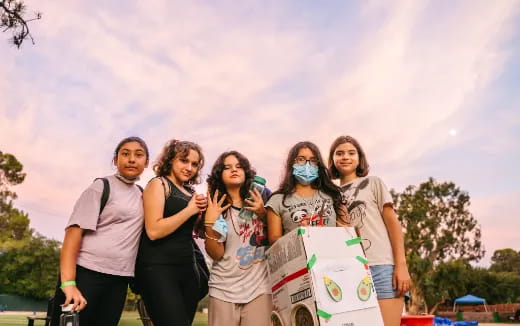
column 105, row 194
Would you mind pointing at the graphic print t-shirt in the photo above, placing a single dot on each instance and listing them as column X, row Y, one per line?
column 365, row 198
column 317, row 210
column 241, row 274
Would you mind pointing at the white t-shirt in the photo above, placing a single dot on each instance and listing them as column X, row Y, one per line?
column 241, row 274
column 111, row 240
column 365, row 198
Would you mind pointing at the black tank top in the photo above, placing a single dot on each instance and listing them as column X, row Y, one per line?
column 176, row 247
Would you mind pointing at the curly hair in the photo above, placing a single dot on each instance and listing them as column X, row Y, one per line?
column 214, row 179
column 173, row 149
column 323, row 182
column 362, row 168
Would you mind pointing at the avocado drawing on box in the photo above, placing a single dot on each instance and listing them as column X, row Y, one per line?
column 364, row 290
column 338, row 286
column 333, row 289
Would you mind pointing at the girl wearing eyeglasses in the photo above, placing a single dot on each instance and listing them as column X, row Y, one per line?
column 306, row 197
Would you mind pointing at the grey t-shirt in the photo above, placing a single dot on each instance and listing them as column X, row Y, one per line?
column 318, row 210
column 241, row 274
column 110, row 242
column 365, row 198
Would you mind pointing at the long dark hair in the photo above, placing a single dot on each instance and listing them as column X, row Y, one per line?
column 323, row 182
column 214, row 179
column 362, row 168
column 176, row 148
column 215, row 183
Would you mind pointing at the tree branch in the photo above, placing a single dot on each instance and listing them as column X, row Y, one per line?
column 12, row 19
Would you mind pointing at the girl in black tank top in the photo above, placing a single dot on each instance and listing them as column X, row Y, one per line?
column 176, row 247
column 165, row 271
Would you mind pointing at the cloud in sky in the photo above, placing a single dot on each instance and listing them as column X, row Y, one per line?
column 258, row 77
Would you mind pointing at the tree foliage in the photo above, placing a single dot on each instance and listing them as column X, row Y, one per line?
column 10, row 175
column 494, row 287
column 32, row 269
column 28, row 262
column 12, row 18
column 439, row 227
column 14, row 224
column 445, row 282
column 505, row 260
column 455, row 278
column 438, row 222
column 14, row 227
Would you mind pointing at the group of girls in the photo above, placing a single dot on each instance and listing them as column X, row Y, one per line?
column 104, row 247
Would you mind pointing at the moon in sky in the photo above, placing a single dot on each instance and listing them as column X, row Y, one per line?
column 453, row 132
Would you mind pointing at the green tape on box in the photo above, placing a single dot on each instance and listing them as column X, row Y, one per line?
column 324, row 314
column 311, row 262
column 301, row 231
column 362, row 260
column 353, row 241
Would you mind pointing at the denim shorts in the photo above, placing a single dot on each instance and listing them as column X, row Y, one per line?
column 382, row 278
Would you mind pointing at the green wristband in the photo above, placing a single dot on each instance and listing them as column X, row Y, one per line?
column 68, row 283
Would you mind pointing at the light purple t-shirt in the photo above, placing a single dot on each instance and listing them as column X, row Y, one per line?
column 110, row 242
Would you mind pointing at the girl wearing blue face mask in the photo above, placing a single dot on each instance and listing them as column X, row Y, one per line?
column 306, row 197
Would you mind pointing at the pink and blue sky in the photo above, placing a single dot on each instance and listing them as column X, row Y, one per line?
column 430, row 88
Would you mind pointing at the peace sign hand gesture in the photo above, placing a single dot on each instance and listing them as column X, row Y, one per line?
column 215, row 208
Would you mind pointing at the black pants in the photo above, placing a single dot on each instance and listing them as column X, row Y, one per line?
column 105, row 295
column 170, row 293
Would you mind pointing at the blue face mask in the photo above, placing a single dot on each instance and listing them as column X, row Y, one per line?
column 305, row 173
column 221, row 227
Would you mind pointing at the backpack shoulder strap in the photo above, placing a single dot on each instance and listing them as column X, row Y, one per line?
column 105, row 194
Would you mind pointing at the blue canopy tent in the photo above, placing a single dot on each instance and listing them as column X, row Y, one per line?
column 469, row 299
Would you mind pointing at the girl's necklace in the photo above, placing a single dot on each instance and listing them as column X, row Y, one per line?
column 232, row 217
column 234, row 228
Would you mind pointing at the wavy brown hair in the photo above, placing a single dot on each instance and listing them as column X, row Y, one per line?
column 362, row 168
column 323, row 182
column 215, row 182
column 173, row 149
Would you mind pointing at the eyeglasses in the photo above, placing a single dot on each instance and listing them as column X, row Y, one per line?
column 303, row 160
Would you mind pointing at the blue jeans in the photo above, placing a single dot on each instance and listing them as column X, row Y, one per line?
column 382, row 278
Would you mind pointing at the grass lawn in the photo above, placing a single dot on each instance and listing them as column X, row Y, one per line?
column 128, row 319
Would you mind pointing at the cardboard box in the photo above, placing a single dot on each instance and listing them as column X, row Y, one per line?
column 320, row 276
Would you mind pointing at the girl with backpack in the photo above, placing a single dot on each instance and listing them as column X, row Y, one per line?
column 239, row 291
column 371, row 212
column 100, row 246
